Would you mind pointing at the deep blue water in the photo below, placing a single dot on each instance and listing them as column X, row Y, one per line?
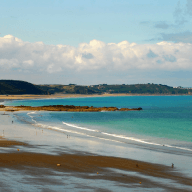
column 164, row 120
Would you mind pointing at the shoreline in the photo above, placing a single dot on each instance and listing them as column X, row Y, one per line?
column 59, row 96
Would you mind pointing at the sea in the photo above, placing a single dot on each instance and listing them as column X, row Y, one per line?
column 164, row 123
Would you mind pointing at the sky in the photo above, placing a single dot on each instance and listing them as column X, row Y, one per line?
column 92, row 41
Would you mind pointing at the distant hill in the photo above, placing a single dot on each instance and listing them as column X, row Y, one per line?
column 12, row 87
column 69, row 89
column 104, row 88
column 141, row 89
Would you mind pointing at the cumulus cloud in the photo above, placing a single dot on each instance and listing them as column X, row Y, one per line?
column 87, row 55
column 170, row 58
column 151, row 54
column 18, row 55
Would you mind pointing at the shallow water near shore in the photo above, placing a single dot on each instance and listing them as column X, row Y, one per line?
column 164, row 120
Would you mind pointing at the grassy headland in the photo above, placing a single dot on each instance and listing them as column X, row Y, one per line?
column 13, row 87
column 146, row 89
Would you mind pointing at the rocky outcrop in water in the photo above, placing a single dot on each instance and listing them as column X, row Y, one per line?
column 71, row 108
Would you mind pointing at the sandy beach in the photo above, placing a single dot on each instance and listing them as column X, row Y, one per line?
column 44, row 159
column 21, row 97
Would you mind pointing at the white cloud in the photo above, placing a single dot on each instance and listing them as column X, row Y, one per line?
column 28, row 63
column 16, row 54
column 52, row 68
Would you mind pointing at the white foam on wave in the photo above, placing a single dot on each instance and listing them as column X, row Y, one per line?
column 178, row 147
column 103, row 111
column 104, row 133
column 56, row 128
column 130, row 138
column 29, row 114
column 66, row 130
column 70, row 131
column 145, row 142
column 83, row 128
column 127, row 138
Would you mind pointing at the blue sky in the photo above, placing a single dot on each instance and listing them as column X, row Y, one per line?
column 72, row 23
column 76, row 21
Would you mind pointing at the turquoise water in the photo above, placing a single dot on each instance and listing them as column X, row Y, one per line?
column 164, row 120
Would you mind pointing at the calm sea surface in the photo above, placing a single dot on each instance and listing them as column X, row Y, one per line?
column 165, row 121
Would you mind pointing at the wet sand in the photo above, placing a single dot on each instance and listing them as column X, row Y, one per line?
column 7, row 143
column 83, row 170
column 84, row 165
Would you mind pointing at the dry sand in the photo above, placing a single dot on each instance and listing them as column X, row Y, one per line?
column 21, row 97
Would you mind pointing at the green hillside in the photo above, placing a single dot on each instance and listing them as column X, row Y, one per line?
column 12, row 87
column 141, row 89
column 68, row 89
column 104, row 88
